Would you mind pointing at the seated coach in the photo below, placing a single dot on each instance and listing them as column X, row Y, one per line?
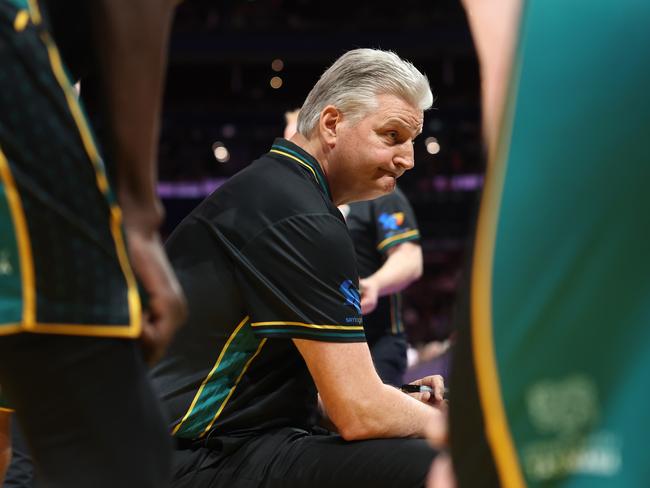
column 269, row 270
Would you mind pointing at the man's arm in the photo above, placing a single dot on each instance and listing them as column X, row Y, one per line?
column 494, row 26
column 321, row 304
column 356, row 400
column 5, row 442
column 132, row 38
column 403, row 267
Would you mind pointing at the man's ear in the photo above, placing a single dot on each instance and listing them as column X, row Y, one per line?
column 330, row 118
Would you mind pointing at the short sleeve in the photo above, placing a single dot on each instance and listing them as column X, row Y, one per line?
column 394, row 220
column 302, row 281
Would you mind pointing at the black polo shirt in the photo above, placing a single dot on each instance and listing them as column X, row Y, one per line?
column 264, row 259
column 375, row 227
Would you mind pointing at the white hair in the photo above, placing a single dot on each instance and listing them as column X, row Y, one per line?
column 354, row 81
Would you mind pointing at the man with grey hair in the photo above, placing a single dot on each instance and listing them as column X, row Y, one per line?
column 269, row 269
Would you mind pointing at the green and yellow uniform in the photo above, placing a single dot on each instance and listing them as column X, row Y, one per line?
column 63, row 262
column 560, row 308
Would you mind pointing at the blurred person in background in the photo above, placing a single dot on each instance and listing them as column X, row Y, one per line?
column 389, row 258
column 290, row 123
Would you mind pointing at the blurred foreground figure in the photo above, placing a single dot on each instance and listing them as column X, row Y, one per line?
column 72, row 330
column 550, row 385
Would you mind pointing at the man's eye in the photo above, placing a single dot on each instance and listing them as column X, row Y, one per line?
column 393, row 134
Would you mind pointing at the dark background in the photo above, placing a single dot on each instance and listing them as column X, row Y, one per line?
column 218, row 90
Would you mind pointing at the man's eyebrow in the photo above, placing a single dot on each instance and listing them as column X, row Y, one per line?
column 401, row 123
column 396, row 120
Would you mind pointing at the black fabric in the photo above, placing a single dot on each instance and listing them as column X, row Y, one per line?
column 289, row 457
column 71, row 26
column 389, row 357
column 87, row 411
column 265, row 258
column 374, row 222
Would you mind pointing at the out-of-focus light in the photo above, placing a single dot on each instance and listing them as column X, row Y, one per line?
column 276, row 82
column 228, row 131
column 220, row 152
column 433, row 148
column 277, row 65
column 432, row 145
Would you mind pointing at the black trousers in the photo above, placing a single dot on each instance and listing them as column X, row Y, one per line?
column 87, row 411
column 288, row 458
column 389, row 357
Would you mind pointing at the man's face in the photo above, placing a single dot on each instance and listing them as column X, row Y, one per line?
column 371, row 153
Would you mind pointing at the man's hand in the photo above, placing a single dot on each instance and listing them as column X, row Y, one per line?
column 436, row 432
column 435, row 397
column 359, row 404
column 401, row 268
column 166, row 310
column 369, row 295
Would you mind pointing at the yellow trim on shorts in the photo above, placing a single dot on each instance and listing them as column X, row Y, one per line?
column 8, row 329
column 133, row 297
column 73, row 104
column 24, row 245
column 7, row 410
column 210, row 374
column 86, row 330
column 311, row 326
column 497, row 428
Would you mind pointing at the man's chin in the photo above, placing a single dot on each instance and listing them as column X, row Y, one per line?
column 383, row 189
column 389, row 184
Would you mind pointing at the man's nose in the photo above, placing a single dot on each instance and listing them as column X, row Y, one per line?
column 404, row 156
